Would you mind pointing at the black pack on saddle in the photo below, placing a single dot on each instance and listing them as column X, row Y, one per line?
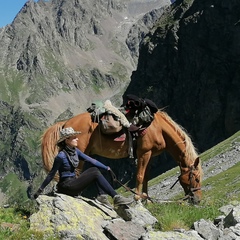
column 137, row 103
column 140, row 111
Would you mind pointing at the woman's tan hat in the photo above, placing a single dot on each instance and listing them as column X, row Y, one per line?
column 66, row 133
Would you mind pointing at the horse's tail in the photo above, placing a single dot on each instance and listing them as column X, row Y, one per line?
column 48, row 145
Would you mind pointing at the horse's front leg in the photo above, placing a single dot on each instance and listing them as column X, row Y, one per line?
column 146, row 178
column 143, row 160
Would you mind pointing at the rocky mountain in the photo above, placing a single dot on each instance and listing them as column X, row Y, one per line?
column 56, row 51
column 57, row 57
column 189, row 64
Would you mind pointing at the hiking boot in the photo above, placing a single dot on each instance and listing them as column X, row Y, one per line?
column 120, row 200
column 103, row 200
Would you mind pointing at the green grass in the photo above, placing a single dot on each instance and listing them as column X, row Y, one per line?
column 10, row 215
column 14, row 223
column 182, row 215
column 229, row 183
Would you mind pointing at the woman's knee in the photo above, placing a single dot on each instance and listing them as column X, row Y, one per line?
column 95, row 171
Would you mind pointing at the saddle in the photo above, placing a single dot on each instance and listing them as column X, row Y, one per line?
column 110, row 119
column 112, row 122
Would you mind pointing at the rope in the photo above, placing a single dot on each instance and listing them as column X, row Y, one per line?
column 174, row 183
column 143, row 196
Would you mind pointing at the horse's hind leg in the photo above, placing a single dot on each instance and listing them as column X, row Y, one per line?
column 142, row 164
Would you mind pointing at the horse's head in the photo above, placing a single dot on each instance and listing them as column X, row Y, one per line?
column 190, row 179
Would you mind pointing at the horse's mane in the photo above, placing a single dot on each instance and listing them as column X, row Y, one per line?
column 191, row 151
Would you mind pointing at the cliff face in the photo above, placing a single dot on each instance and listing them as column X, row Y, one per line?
column 189, row 64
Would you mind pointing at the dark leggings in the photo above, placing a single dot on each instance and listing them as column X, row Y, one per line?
column 75, row 186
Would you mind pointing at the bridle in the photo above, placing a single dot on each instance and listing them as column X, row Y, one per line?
column 191, row 176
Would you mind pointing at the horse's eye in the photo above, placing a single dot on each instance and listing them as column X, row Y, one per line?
column 197, row 180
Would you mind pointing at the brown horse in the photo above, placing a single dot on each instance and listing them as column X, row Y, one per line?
column 162, row 134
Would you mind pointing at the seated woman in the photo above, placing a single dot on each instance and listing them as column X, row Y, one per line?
column 65, row 163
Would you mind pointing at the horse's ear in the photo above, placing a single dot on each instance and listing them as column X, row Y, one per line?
column 196, row 162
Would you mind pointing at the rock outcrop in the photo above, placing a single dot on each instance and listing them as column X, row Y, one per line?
column 82, row 218
column 73, row 218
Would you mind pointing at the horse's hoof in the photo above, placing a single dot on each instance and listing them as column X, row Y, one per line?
column 144, row 195
column 137, row 197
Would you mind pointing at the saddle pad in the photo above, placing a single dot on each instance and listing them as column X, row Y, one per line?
column 121, row 138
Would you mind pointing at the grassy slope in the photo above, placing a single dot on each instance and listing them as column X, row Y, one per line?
column 182, row 215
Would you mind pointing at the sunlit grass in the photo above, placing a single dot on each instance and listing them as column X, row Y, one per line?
column 14, row 224
column 176, row 215
column 224, row 188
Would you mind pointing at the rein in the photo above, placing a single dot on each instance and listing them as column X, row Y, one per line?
column 191, row 190
column 175, row 182
column 143, row 196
